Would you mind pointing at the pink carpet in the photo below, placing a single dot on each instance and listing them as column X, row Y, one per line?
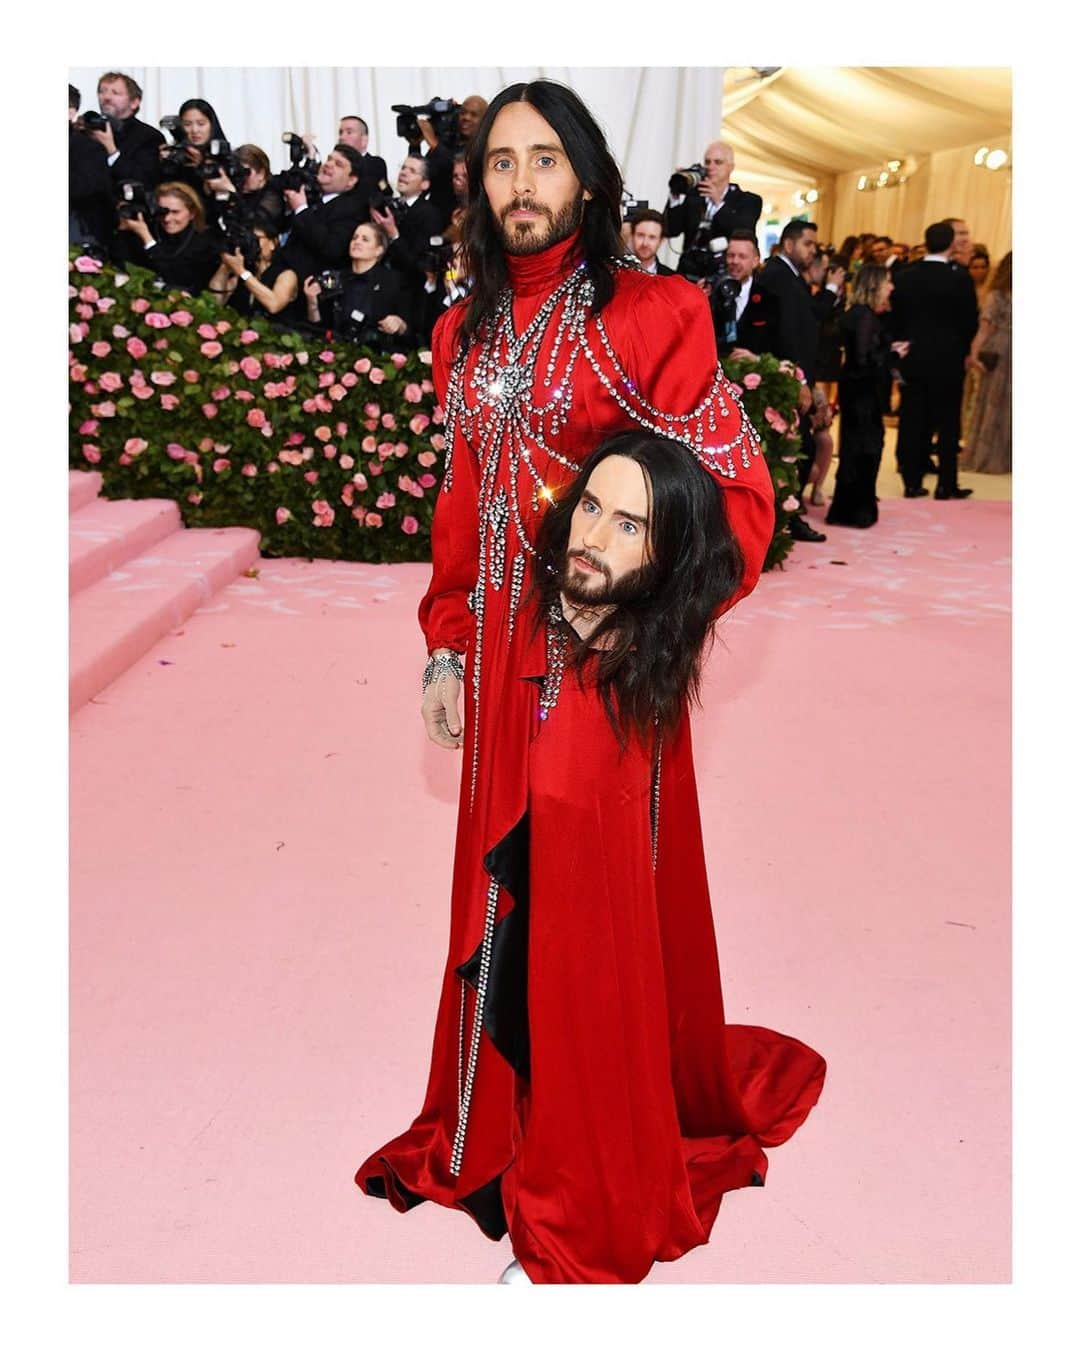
column 261, row 841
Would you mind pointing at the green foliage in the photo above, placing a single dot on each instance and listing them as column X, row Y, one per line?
column 327, row 449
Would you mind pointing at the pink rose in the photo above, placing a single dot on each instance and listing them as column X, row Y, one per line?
column 139, row 305
column 110, row 381
column 368, row 445
column 169, row 402
column 100, row 349
column 385, row 449
column 251, row 367
column 376, row 376
column 427, row 386
column 323, row 433
column 337, row 392
column 360, row 482
column 342, row 429
column 326, row 379
column 161, row 344
column 308, row 405
column 425, row 358
column 181, row 317
column 249, row 470
column 103, row 409
column 401, row 449
column 163, row 378
column 410, row 525
column 87, row 428
column 790, row 503
column 426, row 458
column 221, row 465
column 195, row 498
column 302, row 358
column 427, row 480
column 84, row 312
column 248, row 336
column 282, row 514
column 307, row 452
column 206, row 330
column 209, row 409
column 327, row 356
column 106, row 303
column 89, row 389
column 88, row 293
column 330, row 451
column 124, row 459
column 385, row 500
column 346, row 461
column 775, row 420
column 296, row 438
column 135, row 445
column 413, row 393
column 191, row 377
column 752, row 380
column 371, row 410
column 75, row 333
column 362, row 366
column 256, row 417
column 92, row 453
column 156, row 319
column 373, row 519
column 397, row 360
column 85, row 264
column 77, row 372
column 349, row 379
column 273, row 466
column 375, row 468
column 142, row 391
column 371, row 424
column 211, row 348
column 419, row 423
column 175, row 451
column 389, row 421
column 119, row 331
column 244, row 396
column 271, row 359
column 311, row 476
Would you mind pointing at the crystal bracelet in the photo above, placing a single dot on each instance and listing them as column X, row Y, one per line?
column 446, row 663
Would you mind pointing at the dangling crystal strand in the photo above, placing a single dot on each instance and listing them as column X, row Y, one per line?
column 458, row 1145
column 461, row 1046
column 655, row 800
column 556, row 661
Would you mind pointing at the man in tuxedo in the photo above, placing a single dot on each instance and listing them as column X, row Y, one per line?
column 935, row 312
column 747, row 325
column 646, row 236
column 798, row 332
column 717, row 207
column 353, row 130
column 320, row 233
column 410, row 224
column 131, row 147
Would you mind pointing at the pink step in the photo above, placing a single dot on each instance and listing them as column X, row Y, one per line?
column 104, row 535
column 118, row 619
column 83, row 487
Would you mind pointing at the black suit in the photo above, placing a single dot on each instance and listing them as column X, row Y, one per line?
column 372, row 173
column 416, row 224
column 739, row 210
column 799, row 328
column 319, row 235
column 186, row 261
column 91, row 216
column 138, row 144
column 935, row 310
column 757, row 329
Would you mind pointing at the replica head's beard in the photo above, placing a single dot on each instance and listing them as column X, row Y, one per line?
column 579, row 589
column 523, row 237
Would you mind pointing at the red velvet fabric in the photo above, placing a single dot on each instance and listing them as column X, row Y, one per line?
column 642, row 1105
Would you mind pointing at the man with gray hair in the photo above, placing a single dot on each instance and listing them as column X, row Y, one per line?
column 715, row 207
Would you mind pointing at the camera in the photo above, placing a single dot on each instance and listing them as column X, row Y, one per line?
column 220, row 160
column 237, row 234
column 683, row 181
column 175, row 157
column 631, row 206
column 705, row 261
column 442, row 113
column 303, row 171
column 331, row 282
column 133, row 199
column 94, row 121
column 382, row 199
column 436, row 257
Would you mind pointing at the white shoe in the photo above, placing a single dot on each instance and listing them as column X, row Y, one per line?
column 514, row 1274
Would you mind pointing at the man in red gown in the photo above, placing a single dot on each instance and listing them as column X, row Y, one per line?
column 585, row 1093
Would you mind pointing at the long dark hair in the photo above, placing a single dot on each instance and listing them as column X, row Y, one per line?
column 595, row 167
column 653, row 645
column 201, row 105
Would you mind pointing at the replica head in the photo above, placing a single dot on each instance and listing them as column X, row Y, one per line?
column 538, row 169
column 641, row 537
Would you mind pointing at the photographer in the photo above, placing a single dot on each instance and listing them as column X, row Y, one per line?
column 409, row 221
column 705, row 204
column 91, row 218
column 646, row 236
column 184, row 254
column 195, row 128
column 446, row 281
column 367, row 303
column 746, row 320
column 353, row 130
column 256, row 196
column 267, row 289
column 445, row 134
column 321, row 231
column 131, row 146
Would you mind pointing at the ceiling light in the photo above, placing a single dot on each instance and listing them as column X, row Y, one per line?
column 862, row 182
column 981, row 153
column 893, row 165
column 812, row 195
column 996, row 158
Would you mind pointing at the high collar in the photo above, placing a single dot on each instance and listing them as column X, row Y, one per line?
column 531, row 273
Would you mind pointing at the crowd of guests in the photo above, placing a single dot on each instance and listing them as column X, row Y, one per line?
column 329, row 246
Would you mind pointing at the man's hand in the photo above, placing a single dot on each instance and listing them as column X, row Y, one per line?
column 441, row 711
column 105, row 138
column 234, row 262
column 295, row 197
column 387, row 221
column 714, row 191
column 836, row 276
column 393, row 323
column 222, row 183
column 741, row 354
column 137, row 226
column 900, row 348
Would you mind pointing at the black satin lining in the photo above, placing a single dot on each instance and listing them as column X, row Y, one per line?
column 506, row 1009
column 484, row 1204
column 376, row 1185
column 756, row 1179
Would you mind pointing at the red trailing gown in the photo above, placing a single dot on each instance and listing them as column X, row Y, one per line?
column 612, row 1105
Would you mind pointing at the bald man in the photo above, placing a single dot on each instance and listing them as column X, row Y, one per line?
column 715, row 207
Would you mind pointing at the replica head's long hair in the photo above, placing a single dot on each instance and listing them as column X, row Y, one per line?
column 596, row 170
column 652, row 646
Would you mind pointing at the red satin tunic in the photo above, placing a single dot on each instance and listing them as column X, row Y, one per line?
column 612, row 1104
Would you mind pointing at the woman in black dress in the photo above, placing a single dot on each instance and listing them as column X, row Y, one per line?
column 267, row 290
column 369, row 305
column 180, row 249
column 865, row 384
